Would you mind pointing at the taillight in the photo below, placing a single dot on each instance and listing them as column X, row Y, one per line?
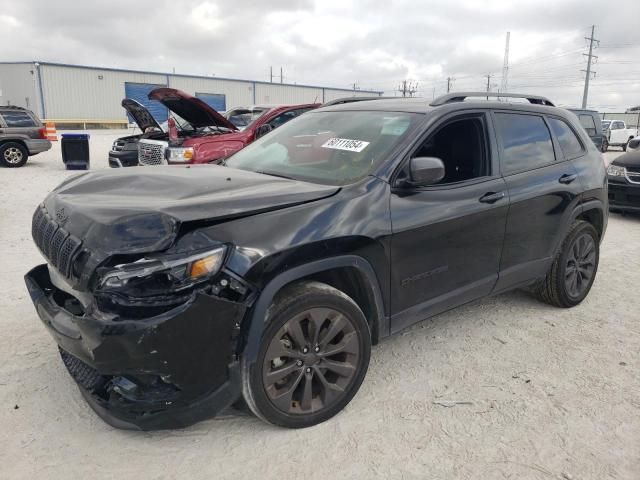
column 43, row 133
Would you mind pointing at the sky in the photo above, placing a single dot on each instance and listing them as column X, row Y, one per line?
column 369, row 44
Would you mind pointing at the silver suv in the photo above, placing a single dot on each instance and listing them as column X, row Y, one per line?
column 22, row 135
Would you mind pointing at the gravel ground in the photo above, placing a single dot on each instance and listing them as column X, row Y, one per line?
column 546, row 393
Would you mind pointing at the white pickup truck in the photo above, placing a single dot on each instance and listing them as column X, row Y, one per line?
column 617, row 133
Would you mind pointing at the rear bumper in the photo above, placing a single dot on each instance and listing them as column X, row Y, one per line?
column 36, row 145
column 624, row 196
column 166, row 371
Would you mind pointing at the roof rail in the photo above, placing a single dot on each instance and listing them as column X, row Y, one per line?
column 13, row 107
column 460, row 96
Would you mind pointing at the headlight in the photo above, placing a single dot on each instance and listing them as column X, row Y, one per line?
column 616, row 171
column 162, row 274
column 176, row 154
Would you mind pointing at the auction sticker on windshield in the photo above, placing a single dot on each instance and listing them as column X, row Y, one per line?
column 345, row 144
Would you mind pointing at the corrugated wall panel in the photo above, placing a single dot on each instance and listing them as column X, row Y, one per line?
column 237, row 93
column 18, row 86
column 332, row 94
column 80, row 93
column 287, row 94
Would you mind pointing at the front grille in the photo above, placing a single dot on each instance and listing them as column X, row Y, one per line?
column 55, row 243
column 633, row 174
column 82, row 373
column 151, row 152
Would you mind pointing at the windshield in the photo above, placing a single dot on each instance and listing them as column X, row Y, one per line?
column 243, row 117
column 334, row 148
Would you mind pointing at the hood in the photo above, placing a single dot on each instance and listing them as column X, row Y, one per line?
column 120, row 211
column 140, row 114
column 629, row 159
column 192, row 109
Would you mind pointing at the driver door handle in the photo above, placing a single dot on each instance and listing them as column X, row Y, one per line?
column 567, row 178
column 491, row 197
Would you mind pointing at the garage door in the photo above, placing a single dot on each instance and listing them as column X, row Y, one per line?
column 217, row 101
column 139, row 92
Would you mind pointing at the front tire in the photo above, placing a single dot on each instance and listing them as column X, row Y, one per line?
column 313, row 357
column 574, row 269
column 13, row 155
column 605, row 145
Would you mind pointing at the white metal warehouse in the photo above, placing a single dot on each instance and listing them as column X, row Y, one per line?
column 78, row 94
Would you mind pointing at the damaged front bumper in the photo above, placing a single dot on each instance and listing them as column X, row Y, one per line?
column 166, row 371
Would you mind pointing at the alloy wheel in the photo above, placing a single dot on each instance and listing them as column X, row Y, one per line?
column 311, row 361
column 580, row 265
column 13, row 155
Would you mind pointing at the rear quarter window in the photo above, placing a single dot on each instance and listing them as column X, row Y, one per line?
column 525, row 140
column 18, row 119
column 569, row 143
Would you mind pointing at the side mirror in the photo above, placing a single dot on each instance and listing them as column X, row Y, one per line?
column 262, row 130
column 425, row 171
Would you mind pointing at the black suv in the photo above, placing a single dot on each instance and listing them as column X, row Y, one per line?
column 592, row 123
column 176, row 292
column 21, row 135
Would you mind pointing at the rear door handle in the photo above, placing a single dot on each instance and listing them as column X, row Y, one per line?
column 492, row 197
column 568, row 178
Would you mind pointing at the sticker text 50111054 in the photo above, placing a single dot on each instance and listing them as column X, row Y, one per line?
column 345, row 144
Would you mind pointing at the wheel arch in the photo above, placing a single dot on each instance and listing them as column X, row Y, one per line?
column 593, row 214
column 339, row 272
column 19, row 141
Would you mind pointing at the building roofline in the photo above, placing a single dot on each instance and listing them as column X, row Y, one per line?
column 183, row 75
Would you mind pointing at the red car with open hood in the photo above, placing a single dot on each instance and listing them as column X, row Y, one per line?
column 203, row 135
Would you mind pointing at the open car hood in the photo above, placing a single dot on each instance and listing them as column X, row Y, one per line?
column 119, row 211
column 192, row 109
column 140, row 114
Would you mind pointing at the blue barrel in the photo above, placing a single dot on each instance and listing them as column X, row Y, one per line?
column 75, row 151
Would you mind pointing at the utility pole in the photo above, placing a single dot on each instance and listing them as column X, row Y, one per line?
column 589, row 56
column 270, row 74
column 407, row 88
column 355, row 86
column 449, row 84
column 488, row 84
column 505, row 65
column 281, row 76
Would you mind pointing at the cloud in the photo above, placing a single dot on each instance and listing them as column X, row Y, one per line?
column 336, row 43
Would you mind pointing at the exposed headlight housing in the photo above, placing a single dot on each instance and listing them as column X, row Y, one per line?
column 616, row 171
column 163, row 274
column 180, row 154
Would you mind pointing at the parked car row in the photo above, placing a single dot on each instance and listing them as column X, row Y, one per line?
column 201, row 135
column 174, row 292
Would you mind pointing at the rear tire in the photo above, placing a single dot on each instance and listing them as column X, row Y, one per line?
column 313, row 357
column 13, row 155
column 605, row 145
column 574, row 269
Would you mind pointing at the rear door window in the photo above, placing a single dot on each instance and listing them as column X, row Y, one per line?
column 17, row 119
column 525, row 140
column 588, row 124
column 569, row 143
